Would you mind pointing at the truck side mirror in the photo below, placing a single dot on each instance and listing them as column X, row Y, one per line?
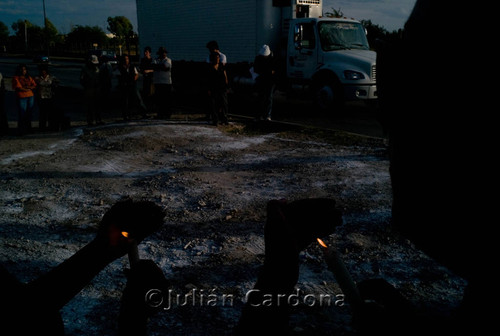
column 297, row 36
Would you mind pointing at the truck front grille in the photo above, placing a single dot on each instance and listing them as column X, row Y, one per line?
column 308, row 2
column 374, row 72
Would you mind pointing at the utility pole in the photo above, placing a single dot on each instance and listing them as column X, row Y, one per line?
column 26, row 36
column 45, row 29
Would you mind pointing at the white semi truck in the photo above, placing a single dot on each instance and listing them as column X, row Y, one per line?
column 329, row 56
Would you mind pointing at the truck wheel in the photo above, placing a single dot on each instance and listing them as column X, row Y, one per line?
column 328, row 97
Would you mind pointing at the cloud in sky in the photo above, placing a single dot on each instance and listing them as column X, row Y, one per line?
column 64, row 14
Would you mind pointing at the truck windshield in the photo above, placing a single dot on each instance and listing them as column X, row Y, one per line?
column 342, row 35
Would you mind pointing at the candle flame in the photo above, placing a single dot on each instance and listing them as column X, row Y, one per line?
column 322, row 243
column 125, row 234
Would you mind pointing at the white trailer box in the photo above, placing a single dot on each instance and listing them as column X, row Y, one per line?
column 240, row 27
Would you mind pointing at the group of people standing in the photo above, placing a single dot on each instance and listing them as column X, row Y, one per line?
column 263, row 71
column 157, row 81
column 30, row 92
column 96, row 79
column 154, row 97
column 157, row 84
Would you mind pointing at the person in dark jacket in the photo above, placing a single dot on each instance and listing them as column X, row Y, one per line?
column 146, row 68
column 90, row 79
column 264, row 67
column 218, row 86
column 130, row 96
column 4, row 124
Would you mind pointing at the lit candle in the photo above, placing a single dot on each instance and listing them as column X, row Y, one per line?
column 133, row 252
column 343, row 277
column 322, row 243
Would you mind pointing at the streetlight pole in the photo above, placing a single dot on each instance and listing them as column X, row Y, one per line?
column 26, row 36
column 45, row 29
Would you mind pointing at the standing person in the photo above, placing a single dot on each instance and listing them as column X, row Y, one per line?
column 146, row 69
column 23, row 84
column 106, row 77
column 91, row 81
column 162, row 79
column 264, row 67
column 217, row 90
column 4, row 124
column 46, row 85
column 128, row 88
column 213, row 47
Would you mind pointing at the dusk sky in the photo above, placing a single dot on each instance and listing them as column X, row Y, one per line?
column 64, row 14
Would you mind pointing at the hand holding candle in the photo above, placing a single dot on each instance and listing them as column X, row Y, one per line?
column 343, row 277
column 125, row 225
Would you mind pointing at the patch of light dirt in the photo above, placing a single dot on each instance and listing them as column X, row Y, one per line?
column 214, row 184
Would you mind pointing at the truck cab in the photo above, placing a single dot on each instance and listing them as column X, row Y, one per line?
column 332, row 57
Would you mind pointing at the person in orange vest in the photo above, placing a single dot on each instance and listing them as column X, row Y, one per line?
column 23, row 84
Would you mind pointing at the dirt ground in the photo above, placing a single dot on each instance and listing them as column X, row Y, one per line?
column 214, row 183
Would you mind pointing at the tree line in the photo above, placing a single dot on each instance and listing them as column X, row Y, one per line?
column 31, row 39
column 374, row 31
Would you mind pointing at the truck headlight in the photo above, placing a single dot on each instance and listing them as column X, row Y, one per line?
column 353, row 75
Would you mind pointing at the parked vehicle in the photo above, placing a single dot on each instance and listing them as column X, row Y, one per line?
column 106, row 55
column 41, row 59
column 328, row 56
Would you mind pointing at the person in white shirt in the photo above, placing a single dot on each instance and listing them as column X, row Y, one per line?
column 46, row 84
column 213, row 47
column 162, row 80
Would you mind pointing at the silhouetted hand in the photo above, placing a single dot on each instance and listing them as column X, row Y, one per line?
column 297, row 224
column 290, row 227
column 123, row 226
column 128, row 222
